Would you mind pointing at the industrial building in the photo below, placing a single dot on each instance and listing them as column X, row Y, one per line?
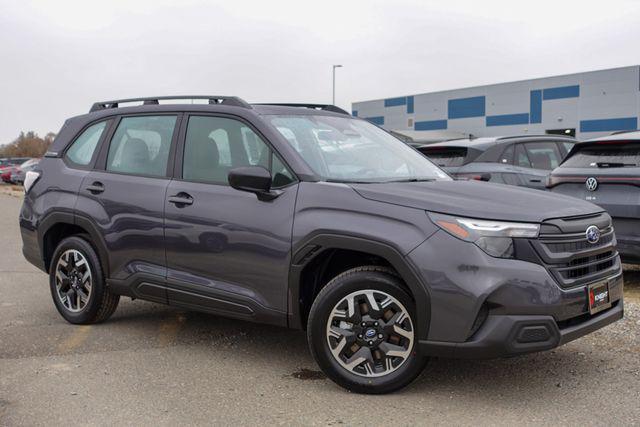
column 585, row 105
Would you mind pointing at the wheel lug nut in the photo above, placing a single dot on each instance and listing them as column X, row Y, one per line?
column 375, row 324
column 360, row 336
column 370, row 342
column 363, row 324
column 380, row 336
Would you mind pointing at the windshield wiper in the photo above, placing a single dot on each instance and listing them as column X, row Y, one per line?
column 615, row 165
column 411, row 180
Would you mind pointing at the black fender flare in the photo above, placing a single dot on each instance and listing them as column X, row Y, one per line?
column 314, row 245
column 69, row 218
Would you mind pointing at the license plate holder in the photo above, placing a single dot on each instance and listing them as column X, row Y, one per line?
column 599, row 296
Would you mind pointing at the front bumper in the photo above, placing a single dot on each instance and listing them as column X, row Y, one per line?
column 505, row 335
column 485, row 307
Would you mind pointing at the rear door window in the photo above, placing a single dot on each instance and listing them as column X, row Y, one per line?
column 141, row 145
column 609, row 155
column 543, row 155
column 446, row 157
column 521, row 157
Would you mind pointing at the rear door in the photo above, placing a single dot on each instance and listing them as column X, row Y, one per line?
column 534, row 161
column 124, row 198
column 227, row 251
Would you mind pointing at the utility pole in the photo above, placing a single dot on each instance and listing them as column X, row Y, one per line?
column 333, row 101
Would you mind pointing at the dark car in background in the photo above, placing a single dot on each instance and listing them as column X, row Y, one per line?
column 524, row 161
column 606, row 171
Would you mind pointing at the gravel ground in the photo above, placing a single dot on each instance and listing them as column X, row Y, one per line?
column 153, row 365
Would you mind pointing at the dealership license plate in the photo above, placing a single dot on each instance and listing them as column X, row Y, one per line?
column 599, row 297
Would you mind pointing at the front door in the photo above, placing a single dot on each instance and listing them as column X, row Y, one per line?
column 227, row 251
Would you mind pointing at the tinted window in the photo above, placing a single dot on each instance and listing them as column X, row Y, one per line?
column 521, row 157
column 141, row 145
column 446, row 157
column 507, row 156
column 82, row 149
column 609, row 155
column 543, row 155
column 215, row 145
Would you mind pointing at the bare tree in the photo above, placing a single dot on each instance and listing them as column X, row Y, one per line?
column 27, row 144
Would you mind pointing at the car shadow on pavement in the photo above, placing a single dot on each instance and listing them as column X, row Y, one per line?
column 526, row 377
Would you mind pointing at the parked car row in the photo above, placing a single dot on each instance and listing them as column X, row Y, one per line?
column 13, row 170
column 604, row 171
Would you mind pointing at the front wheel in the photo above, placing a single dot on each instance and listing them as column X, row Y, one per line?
column 362, row 333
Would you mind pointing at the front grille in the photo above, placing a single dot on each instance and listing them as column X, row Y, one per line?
column 574, row 261
column 580, row 245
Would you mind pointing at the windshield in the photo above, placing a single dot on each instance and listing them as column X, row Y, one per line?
column 341, row 149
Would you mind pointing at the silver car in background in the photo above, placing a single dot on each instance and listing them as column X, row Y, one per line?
column 525, row 161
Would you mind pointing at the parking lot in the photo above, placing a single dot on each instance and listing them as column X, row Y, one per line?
column 151, row 364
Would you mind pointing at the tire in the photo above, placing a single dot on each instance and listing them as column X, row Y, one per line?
column 379, row 373
column 98, row 303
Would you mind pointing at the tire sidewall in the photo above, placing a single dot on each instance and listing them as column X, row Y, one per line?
column 97, row 286
column 319, row 315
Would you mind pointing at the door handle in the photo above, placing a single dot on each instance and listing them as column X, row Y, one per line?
column 535, row 180
column 95, row 188
column 181, row 199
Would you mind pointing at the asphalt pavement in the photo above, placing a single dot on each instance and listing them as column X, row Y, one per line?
column 155, row 365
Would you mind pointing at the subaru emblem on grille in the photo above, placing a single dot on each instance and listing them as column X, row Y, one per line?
column 593, row 234
column 591, row 184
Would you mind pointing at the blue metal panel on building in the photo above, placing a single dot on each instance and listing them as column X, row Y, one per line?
column 354, row 113
column 561, row 92
column 609, row 125
column 430, row 125
column 535, row 106
column 394, row 102
column 466, row 107
column 508, row 119
column 378, row 120
column 409, row 104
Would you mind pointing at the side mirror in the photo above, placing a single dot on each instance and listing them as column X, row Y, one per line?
column 254, row 179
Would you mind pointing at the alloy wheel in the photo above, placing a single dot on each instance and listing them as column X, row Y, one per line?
column 370, row 333
column 73, row 280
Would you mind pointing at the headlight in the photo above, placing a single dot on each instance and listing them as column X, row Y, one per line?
column 493, row 237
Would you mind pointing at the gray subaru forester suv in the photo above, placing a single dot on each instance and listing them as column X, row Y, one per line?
column 304, row 217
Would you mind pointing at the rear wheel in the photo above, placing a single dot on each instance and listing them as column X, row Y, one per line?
column 77, row 283
column 362, row 333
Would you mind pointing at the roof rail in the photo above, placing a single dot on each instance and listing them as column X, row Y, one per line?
column 620, row 132
column 324, row 107
column 153, row 100
column 545, row 135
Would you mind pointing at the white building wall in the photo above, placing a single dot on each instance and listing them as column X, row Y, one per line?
column 572, row 101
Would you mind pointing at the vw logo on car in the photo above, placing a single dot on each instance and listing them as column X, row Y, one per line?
column 591, row 184
column 593, row 234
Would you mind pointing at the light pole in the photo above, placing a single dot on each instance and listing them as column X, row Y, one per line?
column 333, row 101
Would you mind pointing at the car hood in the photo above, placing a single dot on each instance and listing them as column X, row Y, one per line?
column 477, row 199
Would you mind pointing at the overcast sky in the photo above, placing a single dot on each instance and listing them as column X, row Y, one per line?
column 58, row 56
